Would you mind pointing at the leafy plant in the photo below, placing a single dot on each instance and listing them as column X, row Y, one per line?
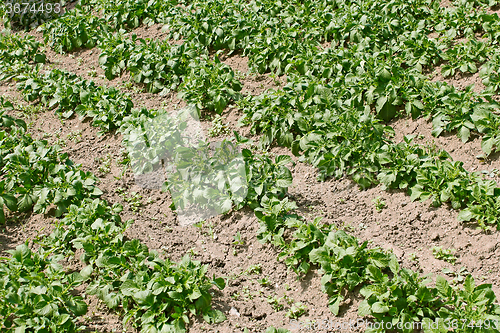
column 254, row 269
column 238, row 240
column 402, row 299
column 210, row 84
column 379, row 204
column 465, row 57
column 306, row 238
column 297, row 310
column 444, row 254
column 345, row 264
column 274, row 301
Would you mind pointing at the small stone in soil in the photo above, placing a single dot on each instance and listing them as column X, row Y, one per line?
column 234, row 312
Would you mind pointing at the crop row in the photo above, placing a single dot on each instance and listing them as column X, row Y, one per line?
column 372, row 81
column 161, row 67
column 346, row 139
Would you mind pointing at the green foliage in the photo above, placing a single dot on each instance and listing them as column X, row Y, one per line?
column 464, row 57
column 129, row 14
column 345, row 264
column 218, row 127
column 306, row 238
column 72, row 94
column 38, row 294
column 120, row 271
column 115, row 53
column 471, row 309
column 484, row 205
column 442, row 181
column 157, row 294
column 156, row 64
column 401, row 299
column 490, row 72
column 74, row 30
column 160, row 66
column 16, row 53
column 332, row 113
column 37, row 175
column 16, row 48
column 132, row 13
column 379, row 204
column 210, row 85
column 153, row 293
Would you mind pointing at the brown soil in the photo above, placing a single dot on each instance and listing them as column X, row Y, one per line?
column 410, row 229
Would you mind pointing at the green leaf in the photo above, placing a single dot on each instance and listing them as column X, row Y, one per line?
column 86, row 271
column 487, row 145
column 469, row 284
column 25, row 202
column 296, row 148
column 364, row 309
column 381, row 102
column 219, row 282
column 283, row 160
column 214, row 316
column 20, row 329
column 335, row 306
column 112, row 300
column 379, row 307
column 40, row 58
column 465, row 215
column 78, row 307
column 442, row 285
column 464, row 134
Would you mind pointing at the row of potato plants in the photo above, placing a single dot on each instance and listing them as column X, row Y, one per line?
column 346, row 264
column 207, row 83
